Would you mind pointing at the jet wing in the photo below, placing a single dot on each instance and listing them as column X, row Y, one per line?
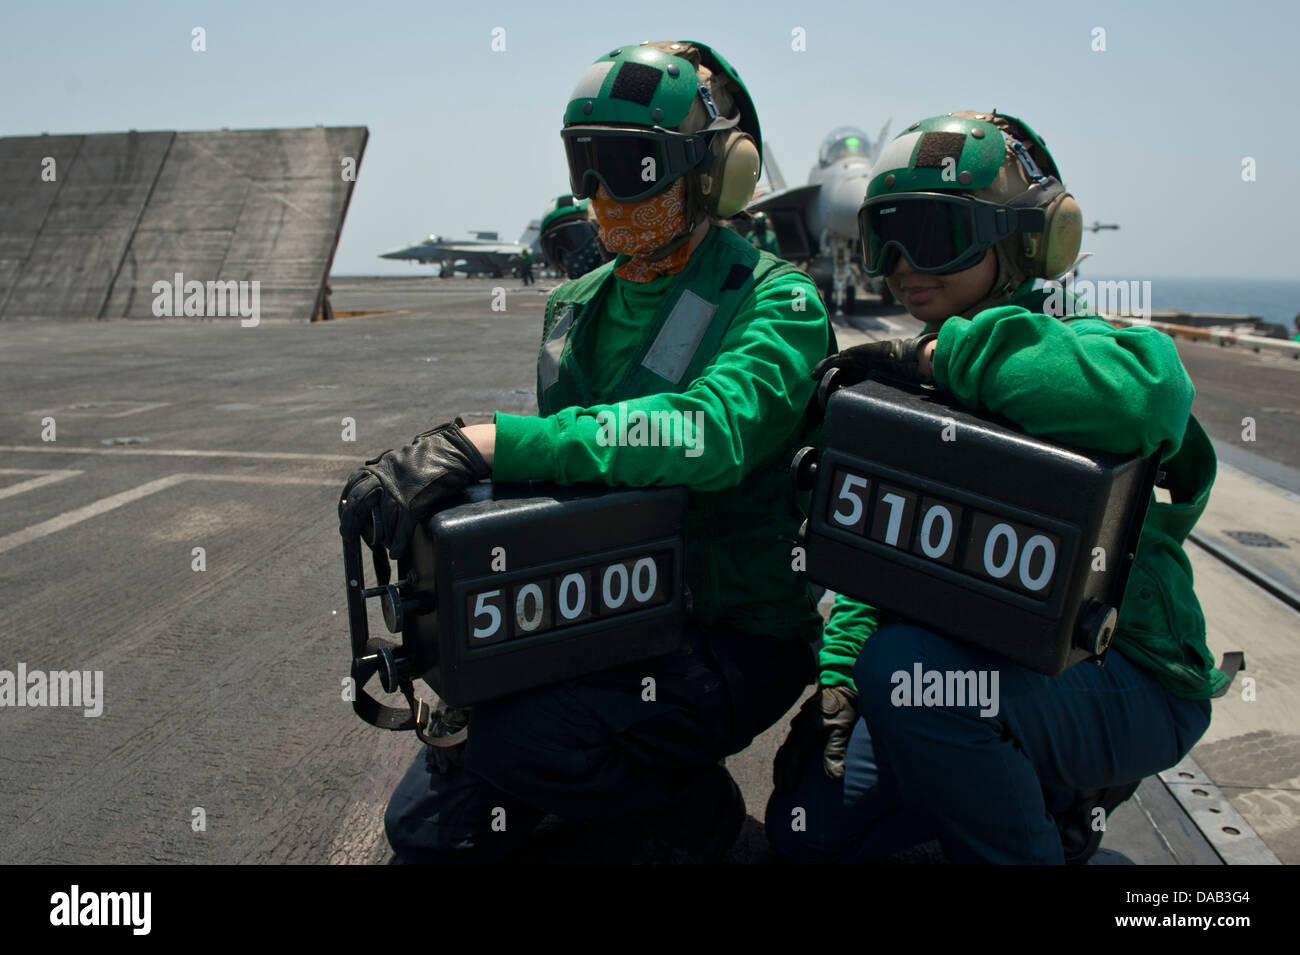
column 482, row 248
column 479, row 260
column 771, row 181
column 880, row 141
column 478, row 256
column 799, row 198
column 420, row 252
column 789, row 211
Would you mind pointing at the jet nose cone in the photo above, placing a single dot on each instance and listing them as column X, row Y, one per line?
column 841, row 198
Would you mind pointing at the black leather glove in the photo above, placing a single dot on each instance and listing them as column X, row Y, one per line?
column 449, row 728
column 897, row 358
column 821, row 727
column 394, row 493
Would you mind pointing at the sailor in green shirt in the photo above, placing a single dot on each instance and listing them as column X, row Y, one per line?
column 526, row 266
column 951, row 217
column 686, row 360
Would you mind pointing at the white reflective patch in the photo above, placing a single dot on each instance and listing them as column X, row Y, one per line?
column 898, row 154
column 675, row 345
column 589, row 86
column 548, row 362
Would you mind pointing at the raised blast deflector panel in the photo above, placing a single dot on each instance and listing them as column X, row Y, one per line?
column 261, row 206
column 62, row 239
column 123, row 211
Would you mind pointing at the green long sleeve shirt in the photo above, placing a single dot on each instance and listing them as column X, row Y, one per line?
column 749, row 402
column 752, row 397
column 1081, row 382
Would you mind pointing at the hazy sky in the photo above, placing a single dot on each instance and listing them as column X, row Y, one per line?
column 1151, row 133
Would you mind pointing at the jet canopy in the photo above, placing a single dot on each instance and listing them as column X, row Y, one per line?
column 841, row 143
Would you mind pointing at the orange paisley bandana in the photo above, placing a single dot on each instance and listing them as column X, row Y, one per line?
column 635, row 228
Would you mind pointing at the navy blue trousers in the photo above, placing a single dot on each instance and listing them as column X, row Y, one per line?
column 984, row 785
column 597, row 748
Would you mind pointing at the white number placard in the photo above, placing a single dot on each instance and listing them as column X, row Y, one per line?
column 539, row 605
column 1004, row 552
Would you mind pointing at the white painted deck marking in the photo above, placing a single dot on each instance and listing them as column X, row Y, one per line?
column 184, row 453
column 47, row 477
column 94, row 409
column 75, row 516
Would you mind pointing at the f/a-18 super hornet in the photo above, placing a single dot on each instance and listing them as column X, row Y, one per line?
column 485, row 253
column 816, row 224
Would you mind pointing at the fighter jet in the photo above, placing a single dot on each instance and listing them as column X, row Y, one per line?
column 817, row 224
column 483, row 253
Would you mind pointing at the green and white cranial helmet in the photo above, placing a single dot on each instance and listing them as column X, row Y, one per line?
column 643, row 116
column 949, row 187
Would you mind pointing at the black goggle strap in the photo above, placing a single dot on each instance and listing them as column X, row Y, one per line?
column 1031, row 205
column 993, row 222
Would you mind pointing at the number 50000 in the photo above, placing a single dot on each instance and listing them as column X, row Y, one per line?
column 547, row 603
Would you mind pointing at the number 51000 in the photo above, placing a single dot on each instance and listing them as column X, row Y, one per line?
column 1005, row 552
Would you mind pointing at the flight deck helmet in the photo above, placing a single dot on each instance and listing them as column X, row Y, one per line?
column 644, row 116
column 569, row 238
column 948, row 188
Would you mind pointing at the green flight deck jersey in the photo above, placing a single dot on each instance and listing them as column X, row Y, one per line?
column 713, row 365
column 1080, row 381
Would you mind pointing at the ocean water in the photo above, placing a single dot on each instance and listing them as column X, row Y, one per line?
column 1273, row 300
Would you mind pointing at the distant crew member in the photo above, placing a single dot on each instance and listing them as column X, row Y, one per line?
column 688, row 321
column 761, row 235
column 526, row 267
column 569, row 237
column 1020, row 786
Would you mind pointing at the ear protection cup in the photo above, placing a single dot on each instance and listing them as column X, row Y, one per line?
column 1048, row 253
column 1062, row 237
column 729, row 184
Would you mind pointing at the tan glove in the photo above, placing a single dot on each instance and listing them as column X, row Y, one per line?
column 822, row 726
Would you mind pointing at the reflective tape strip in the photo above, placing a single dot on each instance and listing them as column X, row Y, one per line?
column 548, row 362
column 589, row 85
column 675, row 345
column 898, row 154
